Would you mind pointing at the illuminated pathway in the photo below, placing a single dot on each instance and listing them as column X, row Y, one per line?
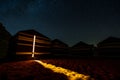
column 70, row 74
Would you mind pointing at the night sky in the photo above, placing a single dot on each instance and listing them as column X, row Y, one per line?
column 70, row 21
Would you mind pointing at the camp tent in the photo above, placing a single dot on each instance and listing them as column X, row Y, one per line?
column 82, row 49
column 59, row 47
column 109, row 47
column 24, row 41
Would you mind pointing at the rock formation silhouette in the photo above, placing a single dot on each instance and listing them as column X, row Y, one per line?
column 4, row 41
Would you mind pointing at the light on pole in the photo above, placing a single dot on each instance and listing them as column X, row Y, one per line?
column 33, row 49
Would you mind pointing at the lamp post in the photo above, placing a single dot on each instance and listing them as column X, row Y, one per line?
column 33, row 49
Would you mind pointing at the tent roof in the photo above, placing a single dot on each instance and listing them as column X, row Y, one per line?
column 58, row 41
column 110, row 40
column 34, row 32
column 81, row 44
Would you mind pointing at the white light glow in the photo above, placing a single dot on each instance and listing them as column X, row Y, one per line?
column 33, row 50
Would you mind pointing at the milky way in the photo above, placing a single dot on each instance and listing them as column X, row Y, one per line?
column 68, row 20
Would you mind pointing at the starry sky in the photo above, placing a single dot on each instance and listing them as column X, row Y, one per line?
column 70, row 21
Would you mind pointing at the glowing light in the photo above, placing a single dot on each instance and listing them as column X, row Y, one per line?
column 33, row 50
column 70, row 74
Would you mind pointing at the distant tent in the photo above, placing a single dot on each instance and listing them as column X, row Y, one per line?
column 59, row 47
column 82, row 49
column 109, row 47
column 4, row 41
column 23, row 43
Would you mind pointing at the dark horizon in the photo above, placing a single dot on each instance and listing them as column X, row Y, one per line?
column 60, row 39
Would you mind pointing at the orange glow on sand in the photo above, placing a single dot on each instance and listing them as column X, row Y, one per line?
column 33, row 50
column 70, row 74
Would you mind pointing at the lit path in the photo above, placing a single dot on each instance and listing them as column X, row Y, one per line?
column 70, row 74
